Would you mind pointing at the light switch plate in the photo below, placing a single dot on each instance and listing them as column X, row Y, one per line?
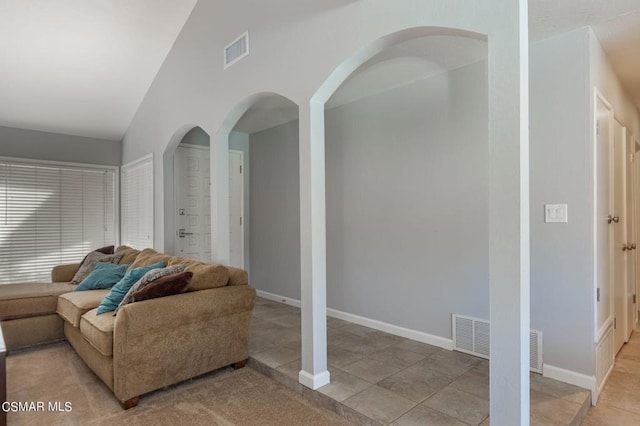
column 555, row 213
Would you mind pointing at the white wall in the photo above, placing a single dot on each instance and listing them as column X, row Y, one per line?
column 561, row 253
column 293, row 39
column 38, row 145
column 604, row 77
column 407, row 204
column 295, row 47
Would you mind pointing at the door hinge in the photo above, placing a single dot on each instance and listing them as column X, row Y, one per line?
column 615, row 323
column 240, row 169
column 240, row 220
column 598, row 294
column 597, row 127
column 634, row 298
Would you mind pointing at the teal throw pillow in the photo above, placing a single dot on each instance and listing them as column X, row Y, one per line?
column 103, row 276
column 120, row 289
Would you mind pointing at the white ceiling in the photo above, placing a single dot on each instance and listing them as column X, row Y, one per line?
column 83, row 67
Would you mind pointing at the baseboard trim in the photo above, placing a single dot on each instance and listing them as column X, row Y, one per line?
column 278, row 298
column 571, row 377
column 314, row 381
column 419, row 336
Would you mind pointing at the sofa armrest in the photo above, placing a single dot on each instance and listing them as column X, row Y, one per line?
column 163, row 341
column 64, row 273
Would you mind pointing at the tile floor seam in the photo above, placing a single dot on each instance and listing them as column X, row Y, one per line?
column 450, row 361
column 442, row 412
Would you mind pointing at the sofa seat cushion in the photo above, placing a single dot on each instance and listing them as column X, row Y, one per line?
column 23, row 300
column 71, row 306
column 98, row 331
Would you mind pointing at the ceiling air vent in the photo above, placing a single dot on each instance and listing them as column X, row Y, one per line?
column 236, row 50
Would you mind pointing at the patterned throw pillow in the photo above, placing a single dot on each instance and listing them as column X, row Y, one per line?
column 148, row 278
column 165, row 286
column 103, row 250
column 89, row 264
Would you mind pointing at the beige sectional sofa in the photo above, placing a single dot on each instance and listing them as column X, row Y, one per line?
column 148, row 344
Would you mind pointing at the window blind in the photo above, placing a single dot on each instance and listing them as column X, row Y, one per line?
column 51, row 214
column 137, row 203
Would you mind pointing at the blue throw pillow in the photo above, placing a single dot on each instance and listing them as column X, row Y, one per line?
column 118, row 291
column 103, row 276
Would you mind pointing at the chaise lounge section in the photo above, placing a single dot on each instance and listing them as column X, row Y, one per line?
column 148, row 344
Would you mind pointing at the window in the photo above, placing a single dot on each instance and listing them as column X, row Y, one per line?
column 137, row 203
column 52, row 213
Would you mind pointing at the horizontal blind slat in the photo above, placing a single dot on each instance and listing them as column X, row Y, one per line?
column 51, row 214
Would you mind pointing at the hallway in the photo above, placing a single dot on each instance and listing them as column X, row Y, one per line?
column 619, row 403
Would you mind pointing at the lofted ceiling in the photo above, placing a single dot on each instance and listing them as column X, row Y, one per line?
column 83, row 67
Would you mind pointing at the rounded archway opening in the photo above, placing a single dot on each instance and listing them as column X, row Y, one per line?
column 192, row 196
column 407, row 182
column 260, row 139
column 186, row 165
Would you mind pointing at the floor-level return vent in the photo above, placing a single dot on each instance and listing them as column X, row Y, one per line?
column 471, row 335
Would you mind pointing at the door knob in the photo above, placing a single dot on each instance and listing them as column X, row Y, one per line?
column 632, row 246
column 614, row 219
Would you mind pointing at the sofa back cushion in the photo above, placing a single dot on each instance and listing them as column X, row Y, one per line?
column 148, row 257
column 129, row 255
column 238, row 276
column 205, row 275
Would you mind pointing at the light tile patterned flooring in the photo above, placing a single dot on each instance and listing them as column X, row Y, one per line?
column 379, row 378
column 619, row 402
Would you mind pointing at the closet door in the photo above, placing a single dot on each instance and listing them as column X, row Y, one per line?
column 620, row 244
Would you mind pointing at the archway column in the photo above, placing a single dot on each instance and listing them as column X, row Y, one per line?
column 509, row 217
column 220, row 198
column 313, row 263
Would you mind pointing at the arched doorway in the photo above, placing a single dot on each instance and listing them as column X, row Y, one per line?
column 262, row 195
column 508, row 253
column 192, row 196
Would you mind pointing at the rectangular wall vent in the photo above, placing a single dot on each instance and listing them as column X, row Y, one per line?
column 471, row 335
column 236, row 50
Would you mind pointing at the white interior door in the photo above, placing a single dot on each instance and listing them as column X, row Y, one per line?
column 620, row 242
column 634, row 221
column 631, row 239
column 236, row 208
column 603, row 228
column 193, row 202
